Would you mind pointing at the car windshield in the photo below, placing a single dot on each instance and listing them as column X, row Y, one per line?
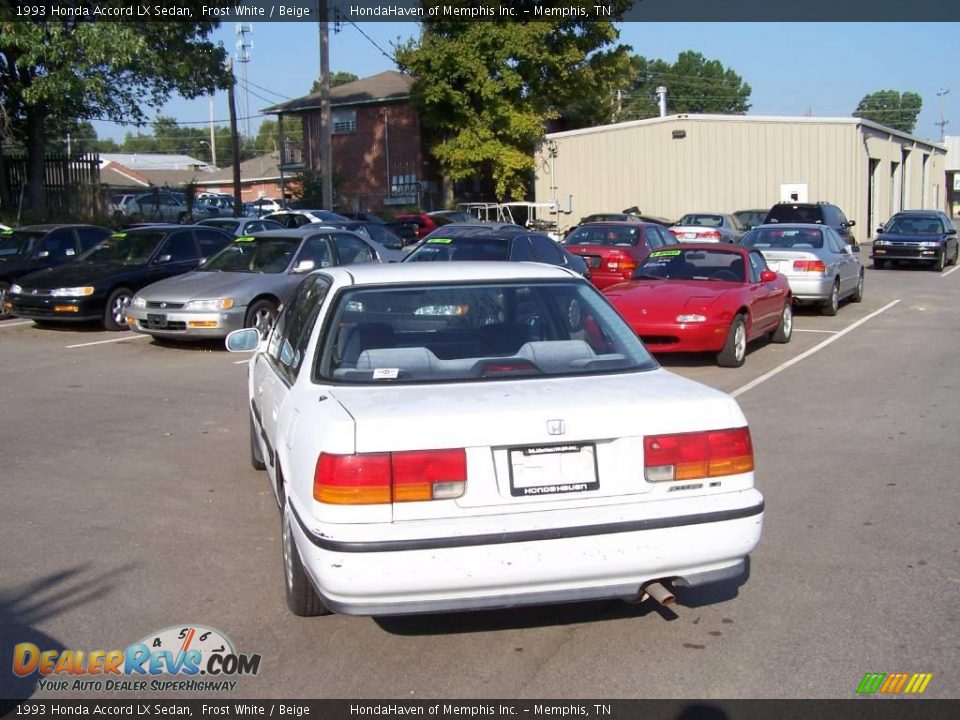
column 692, row 264
column 459, row 248
column 798, row 238
column 254, row 255
column 17, row 244
column 703, row 220
column 915, row 225
column 603, row 235
column 478, row 331
column 750, row 217
column 124, row 248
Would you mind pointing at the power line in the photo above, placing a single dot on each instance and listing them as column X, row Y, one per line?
column 387, row 55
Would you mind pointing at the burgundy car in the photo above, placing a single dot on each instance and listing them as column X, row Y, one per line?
column 425, row 223
column 705, row 298
column 613, row 250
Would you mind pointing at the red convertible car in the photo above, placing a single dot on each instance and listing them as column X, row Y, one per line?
column 705, row 298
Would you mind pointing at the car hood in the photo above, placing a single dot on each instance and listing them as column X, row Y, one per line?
column 209, row 285
column 600, row 406
column 909, row 238
column 77, row 274
column 665, row 298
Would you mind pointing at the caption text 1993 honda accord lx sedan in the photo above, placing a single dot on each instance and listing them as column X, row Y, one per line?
column 457, row 436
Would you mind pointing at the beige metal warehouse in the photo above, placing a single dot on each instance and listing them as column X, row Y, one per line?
column 677, row 164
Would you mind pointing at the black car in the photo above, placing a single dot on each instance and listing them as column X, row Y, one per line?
column 102, row 281
column 35, row 247
column 926, row 236
column 479, row 242
column 818, row 213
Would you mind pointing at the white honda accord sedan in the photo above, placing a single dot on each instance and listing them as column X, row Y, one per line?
column 457, row 436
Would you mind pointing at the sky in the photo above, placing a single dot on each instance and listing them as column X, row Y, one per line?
column 823, row 69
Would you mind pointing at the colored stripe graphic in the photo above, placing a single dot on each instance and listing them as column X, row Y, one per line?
column 894, row 683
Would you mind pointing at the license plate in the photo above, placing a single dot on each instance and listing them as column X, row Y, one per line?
column 156, row 321
column 553, row 469
column 690, row 236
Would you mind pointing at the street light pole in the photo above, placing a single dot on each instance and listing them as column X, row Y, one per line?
column 325, row 130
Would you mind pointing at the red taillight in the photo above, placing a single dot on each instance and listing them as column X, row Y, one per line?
column 809, row 266
column 712, row 234
column 371, row 478
column 690, row 456
column 675, row 233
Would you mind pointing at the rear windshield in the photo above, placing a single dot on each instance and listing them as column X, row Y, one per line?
column 609, row 235
column 17, row 244
column 254, row 255
column 915, row 226
column 124, row 248
column 702, row 220
column 459, row 248
column 680, row 264
column 799, row 238
column 476, row 331
column 795, row 214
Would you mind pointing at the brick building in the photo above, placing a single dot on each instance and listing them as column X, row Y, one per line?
column 378, row 155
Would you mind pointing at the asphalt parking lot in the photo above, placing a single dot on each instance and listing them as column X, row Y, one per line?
column 130, row 506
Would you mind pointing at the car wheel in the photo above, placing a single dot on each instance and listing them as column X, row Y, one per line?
column 256, row 456
column 784, row 330
column 4, row 288
column 858, row 293
column 832, row 304
column 878, row 264
column 261, row 316
column 735, row 348
column 115, row 314
column 941, row 262
column 302, row 598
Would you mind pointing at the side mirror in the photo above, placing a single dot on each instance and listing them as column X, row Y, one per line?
column 952, row 231
column 43, row 254
column 304, row 266
column 879, row 231
column 245, row 340
column 164, row 259
column 767, row 276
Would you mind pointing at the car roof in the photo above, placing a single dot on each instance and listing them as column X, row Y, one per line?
column 786, row 226
column 442, row 272
column 46, row 227
column 615, row 223
column 930, row 213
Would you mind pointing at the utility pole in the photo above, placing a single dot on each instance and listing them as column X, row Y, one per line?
column 213, row 137
column 326, row 161
column 943, row 121
column 234, row 142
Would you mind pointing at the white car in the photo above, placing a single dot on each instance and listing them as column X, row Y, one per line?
column 457, row 436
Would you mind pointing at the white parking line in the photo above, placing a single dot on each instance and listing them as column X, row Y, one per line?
column 15, row 324
column 816, row 348
column 828, row 332
column 950, row 271
column 101, row 342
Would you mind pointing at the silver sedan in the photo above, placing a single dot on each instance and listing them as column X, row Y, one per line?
column 245, row 284
column 820, row 267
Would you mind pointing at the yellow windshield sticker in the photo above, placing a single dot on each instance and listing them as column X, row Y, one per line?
column 665, row 253
column 245, row 238
column 439, row 241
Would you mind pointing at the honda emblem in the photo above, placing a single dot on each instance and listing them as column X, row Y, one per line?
column 556, row 427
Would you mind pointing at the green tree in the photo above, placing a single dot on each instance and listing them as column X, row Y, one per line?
column 484, row 91
column 267, row 135
column 336, row 78
column 891, row 108
column 75, row 68
column 694, row 85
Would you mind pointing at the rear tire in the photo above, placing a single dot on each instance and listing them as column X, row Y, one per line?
column 256, row 456
column 784, row 330
column 302, row 598
column 858, row 293
column 115, row 314
column 735, row 349
column 831, row 306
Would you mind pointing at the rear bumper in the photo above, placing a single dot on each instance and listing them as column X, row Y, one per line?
column 534, row 567
column 810, row 288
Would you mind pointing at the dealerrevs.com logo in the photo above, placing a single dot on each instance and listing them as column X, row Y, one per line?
column 894, row 683
column 180, row 658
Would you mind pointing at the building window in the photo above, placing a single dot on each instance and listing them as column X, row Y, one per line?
column 343, row 121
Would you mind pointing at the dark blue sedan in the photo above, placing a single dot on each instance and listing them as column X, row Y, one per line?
column 924, row 236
